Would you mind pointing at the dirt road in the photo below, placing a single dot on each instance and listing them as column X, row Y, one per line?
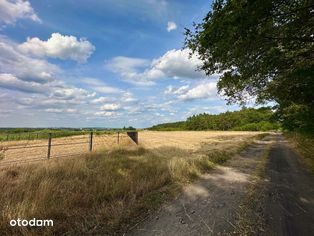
column 210, row 205
column 289, row 198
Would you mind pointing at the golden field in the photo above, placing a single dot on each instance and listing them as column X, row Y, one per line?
column 112, row 189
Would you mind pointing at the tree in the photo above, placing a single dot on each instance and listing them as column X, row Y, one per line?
column 129, row 128
column 263, row 49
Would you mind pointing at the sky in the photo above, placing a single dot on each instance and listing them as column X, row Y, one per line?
column 101, row 63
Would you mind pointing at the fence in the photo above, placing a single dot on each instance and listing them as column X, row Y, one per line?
column 19, row 151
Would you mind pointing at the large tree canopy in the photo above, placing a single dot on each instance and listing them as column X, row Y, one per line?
column 263, row 49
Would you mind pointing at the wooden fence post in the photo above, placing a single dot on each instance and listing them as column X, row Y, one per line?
column 91, row 141
column 134, row 136
column 118, row 137
column 49, row 145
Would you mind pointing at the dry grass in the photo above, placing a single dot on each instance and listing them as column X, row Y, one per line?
column 304, row 145
column 106, row 192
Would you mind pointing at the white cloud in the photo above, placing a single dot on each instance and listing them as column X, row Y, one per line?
column 177, row 91
column 126, row 64
column 69, row 93
column 12, row 61
column 204, row 90
column 43, row 101
column 105, row 113
column 176, row 64
column 128, row 67
column 101, row 100
column 100, row 86
column 171, row 26
column 56, row 110
column 53, row 89
column 12, row 10
column 59, row 46
column 173, row 64
column 34, row 83
column 128, row 97
column 9, row 81
column 110, row 107
column 55, row 94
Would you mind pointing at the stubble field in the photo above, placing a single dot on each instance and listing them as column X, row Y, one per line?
column 108, row 191
column 193, row 141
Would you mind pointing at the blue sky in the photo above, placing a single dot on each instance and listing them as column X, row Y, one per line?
column 101, row 63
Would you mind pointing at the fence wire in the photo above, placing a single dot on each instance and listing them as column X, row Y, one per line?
column 21, row 151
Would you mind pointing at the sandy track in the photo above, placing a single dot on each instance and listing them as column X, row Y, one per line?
column 208, row 206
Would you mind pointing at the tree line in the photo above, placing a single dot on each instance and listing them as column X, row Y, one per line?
column 247, row 119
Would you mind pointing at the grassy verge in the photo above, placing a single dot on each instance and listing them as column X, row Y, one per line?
column 304, row 145
column 104, row 193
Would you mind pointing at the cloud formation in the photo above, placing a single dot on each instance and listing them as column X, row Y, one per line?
column 25, row 67
column 171, row 26
column 12, row 10
column 110, row 107
column 173, row 64
column 99, row 86
column 203, row 90
column 56, row 110
column 59, row 46
column 101, row 100
column 9, row 81
column 106, row 113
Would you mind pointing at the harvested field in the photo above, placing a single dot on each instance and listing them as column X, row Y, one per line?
column 30, row 150
column 195, row 141
column 109, row 191
column 192, row 141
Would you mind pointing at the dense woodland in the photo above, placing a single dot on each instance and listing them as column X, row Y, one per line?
column 262, row 119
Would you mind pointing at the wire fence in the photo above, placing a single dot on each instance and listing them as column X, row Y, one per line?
column 50, row 147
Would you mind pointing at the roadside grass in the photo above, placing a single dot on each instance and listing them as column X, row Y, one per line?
column 304, row 144
column 104, row 193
